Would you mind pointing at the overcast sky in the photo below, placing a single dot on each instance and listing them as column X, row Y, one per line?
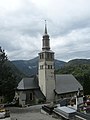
column 22, row 28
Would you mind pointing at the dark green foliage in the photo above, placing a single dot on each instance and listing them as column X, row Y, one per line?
column 80, row 68
column 8, row 79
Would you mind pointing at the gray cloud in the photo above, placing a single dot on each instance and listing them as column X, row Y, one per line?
column 74, row 55
column 22, row 27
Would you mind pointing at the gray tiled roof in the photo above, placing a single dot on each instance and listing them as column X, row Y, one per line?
column 66, row 83
column 27, row 83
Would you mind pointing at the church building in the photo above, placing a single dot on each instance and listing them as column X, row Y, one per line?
column 47, row 85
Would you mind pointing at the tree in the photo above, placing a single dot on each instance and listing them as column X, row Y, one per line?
column 86, row 84
column 7, row 78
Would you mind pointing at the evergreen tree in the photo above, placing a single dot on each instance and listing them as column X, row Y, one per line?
column 7, row 78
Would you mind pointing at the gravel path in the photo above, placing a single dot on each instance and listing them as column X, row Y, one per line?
column 31, row 116
column 29, row 113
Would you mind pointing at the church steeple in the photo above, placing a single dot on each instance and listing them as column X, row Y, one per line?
column 45, row 27
column 45, row 40
column 46, row 68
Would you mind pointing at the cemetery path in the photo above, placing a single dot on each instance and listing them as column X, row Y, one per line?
column 29, row 113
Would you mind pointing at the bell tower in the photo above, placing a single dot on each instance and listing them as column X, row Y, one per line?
column 46, row 68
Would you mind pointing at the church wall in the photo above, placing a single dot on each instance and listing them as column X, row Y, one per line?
column 50, row 82
column 22, row 98
column 65, row 95
column 42, row 82
column 25, row 97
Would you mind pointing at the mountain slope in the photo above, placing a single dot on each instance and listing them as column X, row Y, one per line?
column 80, row 68
column 30, row 67
column 75, row 66
column 19, row 75
column 78, row 62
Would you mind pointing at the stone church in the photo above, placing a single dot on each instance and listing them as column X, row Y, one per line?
column 46, row 86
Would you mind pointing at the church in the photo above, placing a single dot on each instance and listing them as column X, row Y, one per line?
column 46, row 86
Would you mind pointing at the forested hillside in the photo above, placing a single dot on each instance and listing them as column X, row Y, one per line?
column 80, row 68
column 30, row 67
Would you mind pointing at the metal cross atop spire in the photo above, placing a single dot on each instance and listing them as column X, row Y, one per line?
column 45, row 27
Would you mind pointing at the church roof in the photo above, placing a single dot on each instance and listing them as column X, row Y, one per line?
column 66, row 83
column 28, row 83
